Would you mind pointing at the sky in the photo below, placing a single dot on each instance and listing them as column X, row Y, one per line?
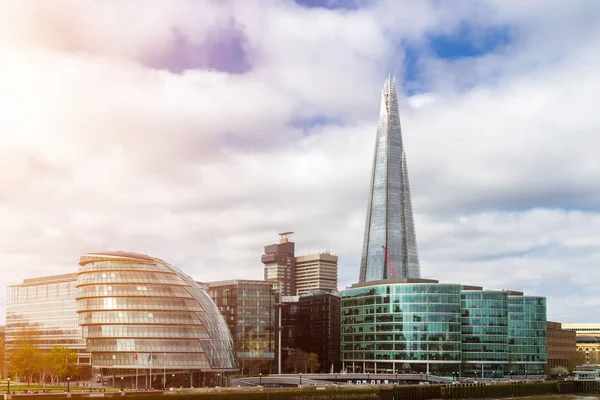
column 195, row 131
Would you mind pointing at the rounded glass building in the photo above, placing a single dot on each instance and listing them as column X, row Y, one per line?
column 147, row 324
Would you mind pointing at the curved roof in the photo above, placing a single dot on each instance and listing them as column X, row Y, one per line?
column 117, row 254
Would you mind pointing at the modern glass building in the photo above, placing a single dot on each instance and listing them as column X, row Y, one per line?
column 484, row 328
column 527, row 335
column 418, row 325
column 144, row 318
column 42, row 312
column 318, row 327
column 389, row 228
column 249, row 309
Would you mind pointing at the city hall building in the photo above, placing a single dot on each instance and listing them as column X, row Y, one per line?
column 408, row 325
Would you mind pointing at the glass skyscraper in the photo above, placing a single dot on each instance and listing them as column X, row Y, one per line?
column 390, row 224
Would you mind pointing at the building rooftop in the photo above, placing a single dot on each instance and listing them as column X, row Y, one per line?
column 236, row 282
column 429, row 281
column 48, row 279
column 117, row 254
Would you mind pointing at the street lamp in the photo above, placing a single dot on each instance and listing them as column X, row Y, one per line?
column 260, row 378
column 121, row 384
column 68, row 381
column 8, row 387
column 300, row 378
column 219, row 379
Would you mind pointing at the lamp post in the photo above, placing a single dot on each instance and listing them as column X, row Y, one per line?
column 8, row 386
column 68, row 381
column 219, row 380
column 300, row 378
column 173, row 380
column 121, row 384
column 525, row 373
column 260, row 378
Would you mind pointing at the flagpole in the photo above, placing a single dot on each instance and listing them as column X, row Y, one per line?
column 150, row 370
column 137, row 365
column 165, row 370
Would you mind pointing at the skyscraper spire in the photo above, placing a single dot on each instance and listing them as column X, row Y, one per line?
column 390, row 221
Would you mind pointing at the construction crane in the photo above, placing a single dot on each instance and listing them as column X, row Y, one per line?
column 389, row 263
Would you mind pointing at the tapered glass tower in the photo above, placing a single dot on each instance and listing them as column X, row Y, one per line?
column 390, row 225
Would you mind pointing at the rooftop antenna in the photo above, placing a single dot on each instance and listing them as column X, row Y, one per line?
column 285, row 236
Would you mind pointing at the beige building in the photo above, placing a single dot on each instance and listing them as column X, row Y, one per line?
column 588, row 341
column 316, row 272
column 583, row 329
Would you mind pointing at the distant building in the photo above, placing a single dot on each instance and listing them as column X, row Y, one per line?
column 318, row 328
column 280, row 268
column 421, row 325
column 588, row 341
column 249, row 309
column 316, row 272
column 562, row 347
column 583, row 329
column 43, row 312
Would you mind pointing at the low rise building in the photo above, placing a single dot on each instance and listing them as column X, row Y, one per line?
column 421, row 325
column 562, row 347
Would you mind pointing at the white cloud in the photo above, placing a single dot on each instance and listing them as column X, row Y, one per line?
column 98, row 150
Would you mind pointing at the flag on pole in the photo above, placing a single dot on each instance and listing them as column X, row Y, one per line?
column 136, row 356
column 149, row 358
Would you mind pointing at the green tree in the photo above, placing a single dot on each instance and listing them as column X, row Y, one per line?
column 25, row 361
column 559, row 371
column 61, row 363
column 313, row 362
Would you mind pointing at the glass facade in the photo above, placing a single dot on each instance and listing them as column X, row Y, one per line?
column 389, row 221
column 45, row 310
column 142, row 313
column 249, row 310
column 484, row 328
column 391, row 328
column 527, row 341
column 444, row 329
column 318, row 328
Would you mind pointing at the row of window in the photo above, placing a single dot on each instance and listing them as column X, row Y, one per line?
column 172, row 360
column 132, row 290
column 122, row 266
column 136, row 317
column 128, row 277
column 137, row 303
column 137, row 345
column 141, row 331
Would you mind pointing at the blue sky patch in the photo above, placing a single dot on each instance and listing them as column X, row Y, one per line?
column 331, row 4
column 469, row 41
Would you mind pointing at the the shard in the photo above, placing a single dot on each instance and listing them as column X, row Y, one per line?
column 390, row 226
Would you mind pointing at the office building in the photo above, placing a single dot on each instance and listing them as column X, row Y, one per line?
column 390, row 244
column 592, row 329
column 316, row 272
column 43, row 312
column 318, row 328
column 280, row 268
column 139, row 314
column 562, row 347
column 249, row 309
column 421, row 325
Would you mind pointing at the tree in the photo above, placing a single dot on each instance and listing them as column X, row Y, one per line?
column 61, row 362
column 297, row 361
column 25, row 361
column 313, row 362
column 559, row 371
